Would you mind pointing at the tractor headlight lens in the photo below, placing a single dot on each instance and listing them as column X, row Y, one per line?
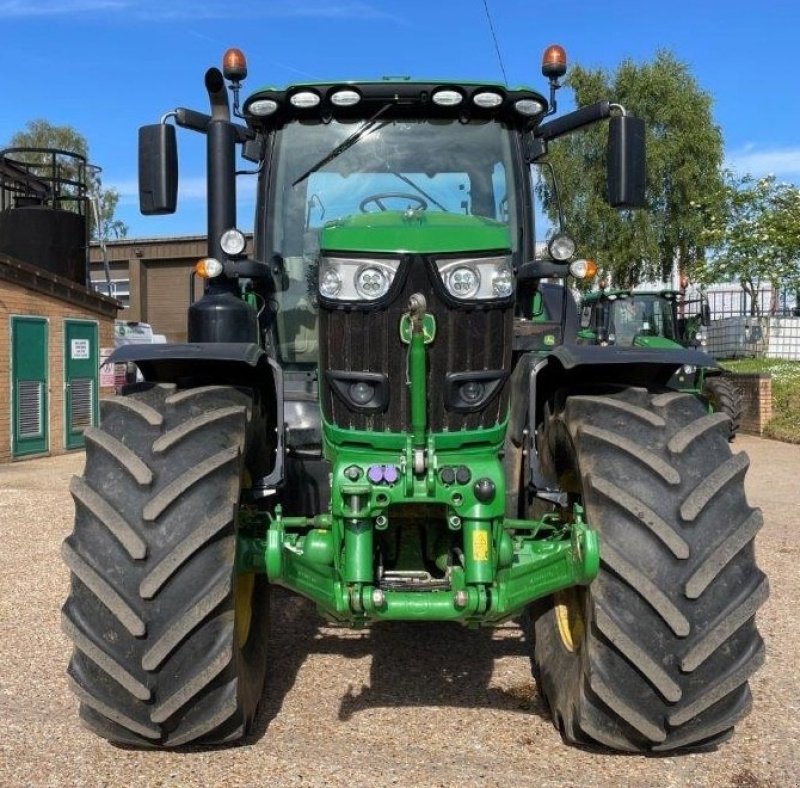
column 232, row 242
column 447, row 98
column 208, row 267
column 371, row 282
column 583, row 269
column 477, row 278
column 361, row 392
column 305, row 99
column 262, row 107
column 502, row 280
column 472, row 391
column 528, row 107
column 561, row 247
column 487, row 99
column 330, row 281
column 346, row 279
column 463, row 281
column 345, row 98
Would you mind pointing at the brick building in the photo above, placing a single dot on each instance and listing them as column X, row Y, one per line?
column 53, row 328
column 152, row 278
column 52, row 331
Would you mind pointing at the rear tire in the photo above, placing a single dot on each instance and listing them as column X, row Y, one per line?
column 654, row 655
column 170, row 641
column 724, row 397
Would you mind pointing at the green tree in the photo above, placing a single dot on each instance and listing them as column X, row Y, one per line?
column 684, row 156
column 101, row 212
column 755, row 238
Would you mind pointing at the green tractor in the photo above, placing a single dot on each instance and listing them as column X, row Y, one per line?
column 662, row 320
column 370, row 413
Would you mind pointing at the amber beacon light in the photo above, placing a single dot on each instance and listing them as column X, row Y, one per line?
column 554, row 62
column 234, row 64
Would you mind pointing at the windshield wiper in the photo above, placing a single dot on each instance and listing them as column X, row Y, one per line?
column 360, row 132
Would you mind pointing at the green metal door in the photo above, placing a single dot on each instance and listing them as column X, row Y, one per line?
column 81, row 367
column 29, row 408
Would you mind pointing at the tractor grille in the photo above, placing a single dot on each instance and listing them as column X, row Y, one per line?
column 369, row 341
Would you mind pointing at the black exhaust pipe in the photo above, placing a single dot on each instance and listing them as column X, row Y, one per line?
column 221, row 315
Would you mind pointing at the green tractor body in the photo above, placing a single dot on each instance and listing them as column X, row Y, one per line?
column 381, row 412
column 662, row 319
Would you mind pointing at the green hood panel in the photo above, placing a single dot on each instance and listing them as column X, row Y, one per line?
column 659, row 343
column 414, row 232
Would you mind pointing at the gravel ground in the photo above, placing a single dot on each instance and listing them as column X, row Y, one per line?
column 430, row 705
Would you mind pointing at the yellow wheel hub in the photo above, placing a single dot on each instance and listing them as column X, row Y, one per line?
column 568, row 609
column 243, row 607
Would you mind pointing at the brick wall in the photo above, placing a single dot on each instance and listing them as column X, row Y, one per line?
column 16, row 300
column 756, row 400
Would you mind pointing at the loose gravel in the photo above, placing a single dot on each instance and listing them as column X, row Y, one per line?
column 428, row 705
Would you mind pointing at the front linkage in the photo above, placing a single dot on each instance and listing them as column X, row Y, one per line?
column 485, row 566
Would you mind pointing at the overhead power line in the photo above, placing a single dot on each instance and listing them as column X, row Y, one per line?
column 494, row 37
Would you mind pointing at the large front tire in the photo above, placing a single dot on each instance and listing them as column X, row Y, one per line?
column 724, row 397
column 169, row 639
column 655, row 654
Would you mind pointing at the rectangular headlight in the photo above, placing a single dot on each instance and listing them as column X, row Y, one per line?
column 356, row 279
column 477, row 278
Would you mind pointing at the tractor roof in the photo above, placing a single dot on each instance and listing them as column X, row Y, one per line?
column 271, row 107
column 610, row 294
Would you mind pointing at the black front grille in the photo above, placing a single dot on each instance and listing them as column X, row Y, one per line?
column 355, row 340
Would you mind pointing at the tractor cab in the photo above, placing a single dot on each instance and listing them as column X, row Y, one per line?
column 366, row 175
column 630, row 319
column 650, row 319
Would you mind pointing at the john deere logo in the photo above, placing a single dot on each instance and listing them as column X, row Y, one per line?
column 428, row 328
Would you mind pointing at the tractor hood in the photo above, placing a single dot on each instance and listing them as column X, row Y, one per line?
column 656, row 343
column 415, row 232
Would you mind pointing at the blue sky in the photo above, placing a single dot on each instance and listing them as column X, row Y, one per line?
column 106, row 67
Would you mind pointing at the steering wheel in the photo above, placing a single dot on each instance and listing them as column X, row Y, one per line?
column 378, row 197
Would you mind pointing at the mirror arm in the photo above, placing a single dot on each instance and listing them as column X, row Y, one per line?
column 574, row 120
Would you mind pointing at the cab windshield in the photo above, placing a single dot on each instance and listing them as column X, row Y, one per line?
column 424, row 164
column 635, row 316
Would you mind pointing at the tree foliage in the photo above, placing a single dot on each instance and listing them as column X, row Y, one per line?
column 684, row 155
column 755, row 237
column 42, row 134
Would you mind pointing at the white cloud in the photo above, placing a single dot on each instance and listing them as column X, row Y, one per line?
column 26, row 8
column 189, row 9
column 782, row 162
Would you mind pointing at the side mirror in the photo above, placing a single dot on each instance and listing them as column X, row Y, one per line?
column 626, row 162
column 158, row 169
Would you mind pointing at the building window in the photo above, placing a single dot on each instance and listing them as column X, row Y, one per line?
column 116, row 288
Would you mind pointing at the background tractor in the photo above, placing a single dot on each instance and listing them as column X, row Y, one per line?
column 370, row 413
column 662, row 319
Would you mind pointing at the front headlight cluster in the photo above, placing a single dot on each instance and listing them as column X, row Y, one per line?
column 477, row 279
column 355, row 279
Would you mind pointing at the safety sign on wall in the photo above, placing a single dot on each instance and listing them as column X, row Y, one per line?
column 79, row 349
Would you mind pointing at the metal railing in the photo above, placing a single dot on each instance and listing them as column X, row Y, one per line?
column 43, row 177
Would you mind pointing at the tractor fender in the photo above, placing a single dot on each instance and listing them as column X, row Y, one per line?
column 197, row 364
column 537, row 376
column 654, row 361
